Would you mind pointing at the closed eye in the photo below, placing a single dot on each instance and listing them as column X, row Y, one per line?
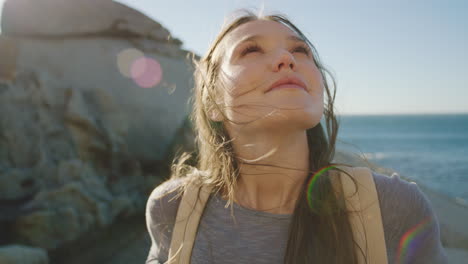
column 254, row 47
column 250, row 48
column 303, row 49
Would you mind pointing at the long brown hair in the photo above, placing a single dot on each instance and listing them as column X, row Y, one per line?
column 316, row 235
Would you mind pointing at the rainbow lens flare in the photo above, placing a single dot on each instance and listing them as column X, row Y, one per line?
column 412, row 240
column 312, row 181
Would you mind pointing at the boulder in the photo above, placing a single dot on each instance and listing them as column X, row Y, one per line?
column 20, row 254
column 86, row 18
column 8, row 53
column 81, row 77
column 90, row 105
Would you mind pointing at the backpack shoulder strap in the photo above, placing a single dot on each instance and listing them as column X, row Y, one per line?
column 188, row 217
column 366, row 222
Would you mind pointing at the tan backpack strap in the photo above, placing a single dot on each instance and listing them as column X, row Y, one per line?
column 367, row 223
column 188, row 217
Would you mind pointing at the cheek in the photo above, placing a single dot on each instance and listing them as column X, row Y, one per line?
column 314, row 75
column 315, row 80
column 319, row 97
column 239, row 79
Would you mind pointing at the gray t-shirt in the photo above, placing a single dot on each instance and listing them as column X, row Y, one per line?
column 260, row 237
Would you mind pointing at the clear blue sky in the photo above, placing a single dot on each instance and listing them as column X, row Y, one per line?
column 387, row 56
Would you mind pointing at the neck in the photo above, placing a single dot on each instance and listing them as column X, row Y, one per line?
column 262, row 185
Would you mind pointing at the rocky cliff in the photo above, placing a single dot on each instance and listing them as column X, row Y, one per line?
column 91, row 95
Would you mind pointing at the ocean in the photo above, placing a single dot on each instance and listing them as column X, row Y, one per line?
column 431, row 149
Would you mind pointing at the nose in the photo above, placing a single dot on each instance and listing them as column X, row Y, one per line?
column 285, row 59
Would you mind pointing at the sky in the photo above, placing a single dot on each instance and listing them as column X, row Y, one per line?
column 387, row 57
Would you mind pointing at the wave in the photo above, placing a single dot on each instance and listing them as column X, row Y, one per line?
column 375, row 155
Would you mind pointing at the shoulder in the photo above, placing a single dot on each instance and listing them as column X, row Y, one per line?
column 405, row 196
column 401, row 199
column 396, row 188
column 160, row 214
column 392, row 190
column 410, row 224
column 167, row 187
column 164, row 200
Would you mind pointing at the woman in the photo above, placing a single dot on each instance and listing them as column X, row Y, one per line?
column 258, row 102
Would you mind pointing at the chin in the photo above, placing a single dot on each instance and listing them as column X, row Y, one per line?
column 257, row 118
column 294, row 120
column 309, row 120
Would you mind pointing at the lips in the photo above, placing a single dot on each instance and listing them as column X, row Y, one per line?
column 288, row 80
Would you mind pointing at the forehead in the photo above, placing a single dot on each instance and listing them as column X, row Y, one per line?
column 258, row 27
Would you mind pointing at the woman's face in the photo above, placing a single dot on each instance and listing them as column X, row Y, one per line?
column 250, row 66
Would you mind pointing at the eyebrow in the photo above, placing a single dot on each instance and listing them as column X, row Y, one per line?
column 255, row 37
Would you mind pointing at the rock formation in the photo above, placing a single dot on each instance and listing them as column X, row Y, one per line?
column 91, row 95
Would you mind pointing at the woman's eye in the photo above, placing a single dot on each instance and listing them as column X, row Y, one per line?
column 250, row 49
column 254, row 48
column 302, row 49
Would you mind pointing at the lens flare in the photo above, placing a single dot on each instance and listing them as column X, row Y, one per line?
column 411, row 241
column 146, row 72
column 313, row 180
column 125, row 60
